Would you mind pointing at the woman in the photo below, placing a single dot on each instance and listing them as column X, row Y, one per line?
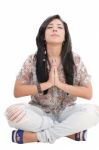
column 54, row 77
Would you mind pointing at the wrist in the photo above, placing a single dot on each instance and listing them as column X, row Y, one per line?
column 39, row 88
column 64, row 87
column 58, row 84
column 49, row 84
column 43, row 86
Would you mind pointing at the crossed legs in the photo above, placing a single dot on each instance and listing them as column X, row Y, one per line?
column 38, row 126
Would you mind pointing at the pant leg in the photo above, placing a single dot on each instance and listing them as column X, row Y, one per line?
column 35, row 119
column 72, row 120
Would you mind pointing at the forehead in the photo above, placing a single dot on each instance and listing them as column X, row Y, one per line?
column 56, row 21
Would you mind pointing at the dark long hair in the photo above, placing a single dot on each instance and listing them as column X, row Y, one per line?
column 66, row 54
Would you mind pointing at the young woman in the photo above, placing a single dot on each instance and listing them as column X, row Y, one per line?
column 54, row 77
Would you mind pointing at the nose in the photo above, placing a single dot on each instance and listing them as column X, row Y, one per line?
column 54, row 30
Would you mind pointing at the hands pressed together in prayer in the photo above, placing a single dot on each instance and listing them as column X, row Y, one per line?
column 53, row 74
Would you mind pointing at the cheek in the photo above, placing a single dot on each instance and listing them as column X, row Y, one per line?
column 46, row 36
column 63, row 36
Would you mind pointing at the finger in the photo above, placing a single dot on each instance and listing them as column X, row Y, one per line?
column 52, row 68
column 51, row 61
column 55, row 69
column 56, row 73
column 54, row 62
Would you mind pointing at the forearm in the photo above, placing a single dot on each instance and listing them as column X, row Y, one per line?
column 78, row 91
column 27, row 90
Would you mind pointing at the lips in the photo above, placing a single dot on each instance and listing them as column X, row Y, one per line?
column 54, row 35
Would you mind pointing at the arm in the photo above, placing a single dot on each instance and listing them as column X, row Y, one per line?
column 79, row 91
column 83, row 91
column 21, row 89
column 23, row 86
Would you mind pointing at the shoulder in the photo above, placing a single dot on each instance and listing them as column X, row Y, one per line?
column 31, row 58
column 77, row 58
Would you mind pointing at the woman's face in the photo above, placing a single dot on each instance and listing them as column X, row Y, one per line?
column 55, row 32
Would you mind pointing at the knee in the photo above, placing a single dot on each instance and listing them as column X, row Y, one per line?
column 96, row 107
column 15, row 113
column 92, row 109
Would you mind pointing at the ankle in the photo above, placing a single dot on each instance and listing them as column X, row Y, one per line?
column 29, row 137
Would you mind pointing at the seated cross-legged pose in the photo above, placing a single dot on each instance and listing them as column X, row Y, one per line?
column 54, row 77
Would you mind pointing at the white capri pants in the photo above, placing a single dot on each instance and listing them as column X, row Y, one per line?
column 48, row 126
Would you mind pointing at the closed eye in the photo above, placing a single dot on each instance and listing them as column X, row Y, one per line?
column 52, row 27
column 49, row 27
column 60, row 27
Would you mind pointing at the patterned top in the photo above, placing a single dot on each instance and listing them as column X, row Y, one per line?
column 56, row 99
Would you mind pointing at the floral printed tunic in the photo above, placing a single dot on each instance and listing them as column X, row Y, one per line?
column 56, row 99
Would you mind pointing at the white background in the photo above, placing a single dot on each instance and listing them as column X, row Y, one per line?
column 19, row 24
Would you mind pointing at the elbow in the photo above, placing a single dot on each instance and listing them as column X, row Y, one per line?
column 16, row 93
column 89, row 93
column 16, row 96
column 89, row 96
column 17, row 89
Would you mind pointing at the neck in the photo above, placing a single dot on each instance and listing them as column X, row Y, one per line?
column 54, row 50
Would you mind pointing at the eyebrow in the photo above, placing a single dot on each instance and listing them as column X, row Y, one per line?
column 57, row 24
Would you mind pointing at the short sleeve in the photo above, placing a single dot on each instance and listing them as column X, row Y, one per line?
column 82, row 75
column 26, row 71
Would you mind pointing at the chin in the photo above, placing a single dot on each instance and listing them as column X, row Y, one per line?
column 55, row 42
